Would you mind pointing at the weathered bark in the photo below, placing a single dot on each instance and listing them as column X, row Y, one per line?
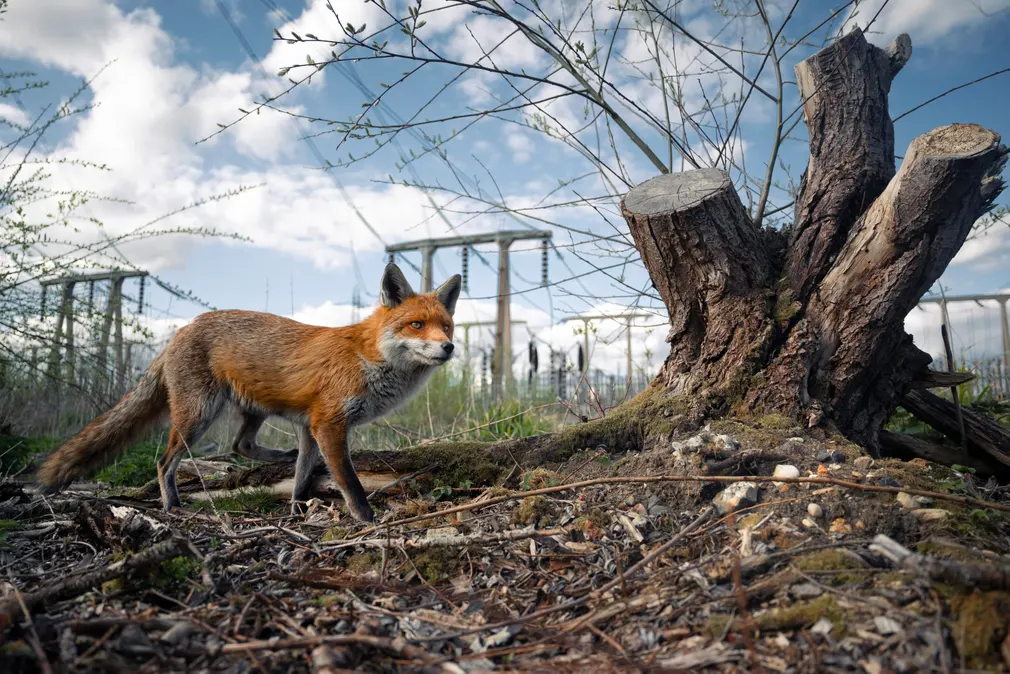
column 850, row 351
column 844, row 91
column 712, row 268
column 816, row 332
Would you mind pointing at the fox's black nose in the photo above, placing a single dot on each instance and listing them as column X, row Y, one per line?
column 447, row 347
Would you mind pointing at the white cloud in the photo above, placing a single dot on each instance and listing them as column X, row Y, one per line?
column 987, row 250
column 149, row 112
column 478, row 87
column 480, row 35
column 974, row 329
column 317, row 19
column 924, row 20
column 521, row 145
column 14, row 115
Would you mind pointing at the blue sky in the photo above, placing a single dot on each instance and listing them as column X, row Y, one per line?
column 180, row 70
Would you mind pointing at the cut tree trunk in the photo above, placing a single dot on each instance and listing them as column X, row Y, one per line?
column 810, row 324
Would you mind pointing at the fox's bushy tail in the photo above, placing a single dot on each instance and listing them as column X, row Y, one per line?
column 109, row 435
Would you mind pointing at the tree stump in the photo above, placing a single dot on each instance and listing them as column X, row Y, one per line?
column 809, row 322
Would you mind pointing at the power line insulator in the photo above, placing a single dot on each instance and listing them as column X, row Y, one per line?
column 42, row 307
column 91, row 298
column 391, row 258
column 582, row 360
column 466, row 268
column 543, row 245
column 140, row 296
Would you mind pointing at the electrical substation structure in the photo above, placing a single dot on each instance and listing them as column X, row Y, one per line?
column 63, row 336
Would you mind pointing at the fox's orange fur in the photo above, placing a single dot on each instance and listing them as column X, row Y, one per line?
column 325, row 380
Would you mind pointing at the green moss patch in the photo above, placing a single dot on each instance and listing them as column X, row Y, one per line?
column 805, row 614
column 982, row 622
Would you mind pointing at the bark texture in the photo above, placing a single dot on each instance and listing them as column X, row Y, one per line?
column 712, row 268
column 812, row 326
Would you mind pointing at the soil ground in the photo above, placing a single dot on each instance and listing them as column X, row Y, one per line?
column 640, row 576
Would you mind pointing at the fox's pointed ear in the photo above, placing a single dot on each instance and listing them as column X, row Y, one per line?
column 448, row 293
column 394, row 287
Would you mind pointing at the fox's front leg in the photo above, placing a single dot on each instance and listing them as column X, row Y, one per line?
column 332, row 440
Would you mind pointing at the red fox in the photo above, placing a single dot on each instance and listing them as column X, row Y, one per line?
column 324, row 380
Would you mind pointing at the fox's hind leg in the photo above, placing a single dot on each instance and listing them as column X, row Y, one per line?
column 308, row 457
column 245, row 441
column 190, row 420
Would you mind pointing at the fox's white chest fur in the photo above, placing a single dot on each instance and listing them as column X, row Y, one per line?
column 387, row 386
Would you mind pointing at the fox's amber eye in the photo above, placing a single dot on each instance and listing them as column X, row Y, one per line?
column 417, row 325
column 445, row 328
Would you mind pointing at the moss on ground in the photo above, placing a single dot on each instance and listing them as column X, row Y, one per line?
column 334, row 534
column 805, row 614
column 835, row 560
column 256, row 500
column 982, row 622
column 437, row 564
column 455, row 462
column 363, row 562
column 530, row 510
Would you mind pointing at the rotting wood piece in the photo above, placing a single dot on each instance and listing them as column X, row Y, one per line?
column 983, row 434
column 987, row 576
column 932, row 379
column 904, row 446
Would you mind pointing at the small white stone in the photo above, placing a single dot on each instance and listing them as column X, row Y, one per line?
column 815, row 511
column 886, row 625
column 785, row 470
column 808, row 523
column 736, row 496
column 863, row 463
column 695, row 443
column 822, row 626
column 906, row 500
column 930, row 514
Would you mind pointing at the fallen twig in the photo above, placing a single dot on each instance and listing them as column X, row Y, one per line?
column 398, row 646
column 575, row 603
column 965, row 574
column 447, row 540
column 725, row 479
column 11, row 609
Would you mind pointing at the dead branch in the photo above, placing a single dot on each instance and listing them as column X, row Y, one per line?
column 965, row 574
column 11, row 610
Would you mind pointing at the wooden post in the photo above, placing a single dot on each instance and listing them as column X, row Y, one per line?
column 54, row 352
column 427, row 259
column 102, row 360
column 628, row 391
column 117, row 317
column 503, row 325
column 1005, row 330
column 71, row 355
